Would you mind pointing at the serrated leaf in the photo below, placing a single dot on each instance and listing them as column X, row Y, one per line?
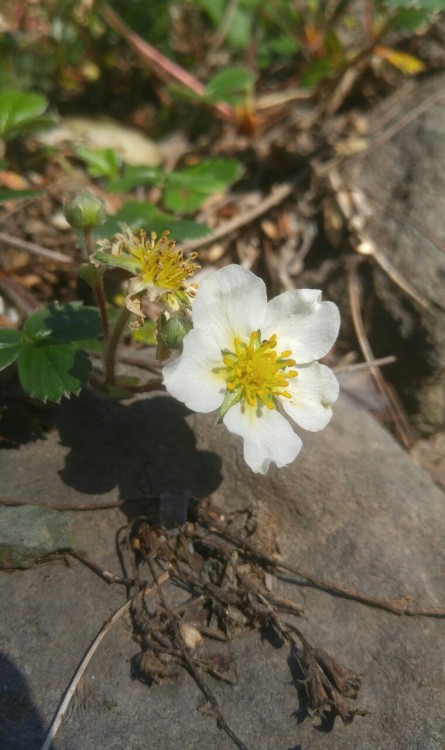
column 103, row 162
column 49, row 371
column 10, row 341
column 404, row 62
column 18, row 109
column 64, row 323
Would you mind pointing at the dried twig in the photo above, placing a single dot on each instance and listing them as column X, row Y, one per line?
column 365, row 365
column 87, row 658
column 32, row 247
column 276, row 196
column 397, row 412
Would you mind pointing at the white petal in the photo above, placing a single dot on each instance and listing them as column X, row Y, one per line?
column 313, row 392
column 191, row 379
column 303, row 324
column 268, row 436
column 233, row 301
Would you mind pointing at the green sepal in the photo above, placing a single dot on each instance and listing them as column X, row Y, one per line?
column 230, row 399
column 88, row 274
column 126, row 262
column 174, row 329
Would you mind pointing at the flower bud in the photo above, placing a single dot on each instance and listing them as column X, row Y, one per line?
column 85, row 211
column 172, row 329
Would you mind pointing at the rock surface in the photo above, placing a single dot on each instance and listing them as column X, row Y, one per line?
column 28, row 532
column 353, row 509
column 402, row 179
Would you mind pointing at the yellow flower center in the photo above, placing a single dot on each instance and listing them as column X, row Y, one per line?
column 256, row 372
column 161, row 264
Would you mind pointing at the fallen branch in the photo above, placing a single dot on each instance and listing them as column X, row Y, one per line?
column 396, row 607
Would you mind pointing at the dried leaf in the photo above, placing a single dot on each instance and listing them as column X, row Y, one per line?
column 408, row 64
column 346, row 681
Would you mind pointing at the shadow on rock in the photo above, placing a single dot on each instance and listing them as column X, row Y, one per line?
column 21, row 727
column 144, row 448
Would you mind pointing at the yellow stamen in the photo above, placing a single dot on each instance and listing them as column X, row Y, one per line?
column 256, row 371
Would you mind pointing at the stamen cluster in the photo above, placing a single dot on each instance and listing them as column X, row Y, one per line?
column 255, row 371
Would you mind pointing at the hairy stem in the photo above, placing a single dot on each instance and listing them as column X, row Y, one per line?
column 101, row 301
column 112, row 343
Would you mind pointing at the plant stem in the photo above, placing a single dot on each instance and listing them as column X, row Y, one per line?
column 111, row 346
column 89, row 242
column 101, row 301
column 98, row 284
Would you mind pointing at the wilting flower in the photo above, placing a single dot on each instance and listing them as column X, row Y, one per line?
column 159, row 270
column 252, row 360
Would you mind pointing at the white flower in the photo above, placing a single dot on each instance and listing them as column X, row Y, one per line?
column 249, row 359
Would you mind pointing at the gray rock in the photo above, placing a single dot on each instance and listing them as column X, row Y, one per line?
column 404, row 184
column 28, row 532
column 353, row 509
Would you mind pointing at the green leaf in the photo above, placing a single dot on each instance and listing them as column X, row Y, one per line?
column 135, row 176
column 18, row 110
column 180, row 229
column 18, row 195
column 188, row 189
column 228, row 82
column 10, row 341
column 410, row 19
column 49, row 371
column 101, row 163
column 142, row 214
column 64, row 323
column 91, row 345
column 136, row 213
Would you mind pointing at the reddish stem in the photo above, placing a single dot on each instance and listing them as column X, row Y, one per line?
column 157, row 62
